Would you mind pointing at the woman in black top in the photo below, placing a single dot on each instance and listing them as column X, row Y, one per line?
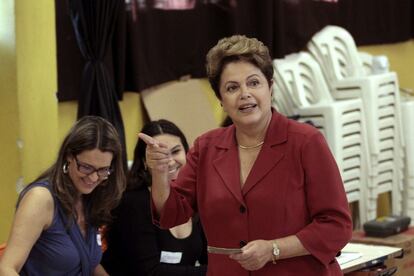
column 135, row 245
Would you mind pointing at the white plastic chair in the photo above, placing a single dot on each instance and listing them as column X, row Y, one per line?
column 366, row 60
column 336, row 52
column 342, row 122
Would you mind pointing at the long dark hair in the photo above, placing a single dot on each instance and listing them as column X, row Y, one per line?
column 138, row 175
column 89, row 133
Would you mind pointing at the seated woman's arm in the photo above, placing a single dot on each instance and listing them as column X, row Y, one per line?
column 100, row 271
column 34, row 214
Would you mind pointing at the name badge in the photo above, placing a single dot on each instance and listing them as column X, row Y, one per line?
column 171, row 257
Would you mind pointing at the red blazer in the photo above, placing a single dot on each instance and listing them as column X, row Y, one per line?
column 294, row 187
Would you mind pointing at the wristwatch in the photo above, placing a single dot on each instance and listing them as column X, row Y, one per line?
column 275, row 252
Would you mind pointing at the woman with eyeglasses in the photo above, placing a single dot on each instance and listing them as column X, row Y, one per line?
column 135, row 245
column 55, row 229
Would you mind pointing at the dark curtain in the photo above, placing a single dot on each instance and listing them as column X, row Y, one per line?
column 157, row 45
column 377, row 21
column 164, row 45
column 94, row 23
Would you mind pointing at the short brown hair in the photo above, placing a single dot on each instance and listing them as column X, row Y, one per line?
column 237, row 48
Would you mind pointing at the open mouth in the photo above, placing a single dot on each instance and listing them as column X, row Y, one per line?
column 173, row 169
column 247, row 107
column 173, row 172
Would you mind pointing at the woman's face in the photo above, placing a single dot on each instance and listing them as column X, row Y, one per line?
column 245, row 93
column 177, row 151
column 88, row 169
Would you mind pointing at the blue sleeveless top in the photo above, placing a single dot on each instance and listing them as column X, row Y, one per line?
column 62, row 250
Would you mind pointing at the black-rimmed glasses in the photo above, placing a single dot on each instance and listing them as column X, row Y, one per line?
column 88, row 169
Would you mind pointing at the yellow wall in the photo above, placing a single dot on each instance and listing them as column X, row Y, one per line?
column 131, row 115
column 9, row 117
column 28, row 102
column 131, row 108
column 401, row 58
column 37, row 85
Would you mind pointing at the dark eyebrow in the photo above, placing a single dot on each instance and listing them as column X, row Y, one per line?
column 253, row 75
column 89, row 165
column 248, row 77
column 176, row 147
column 231, row 82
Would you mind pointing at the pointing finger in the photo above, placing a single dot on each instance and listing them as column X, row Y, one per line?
column 151, row 141
column 147, row 139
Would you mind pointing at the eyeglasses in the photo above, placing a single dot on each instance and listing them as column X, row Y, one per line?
column 88, row 169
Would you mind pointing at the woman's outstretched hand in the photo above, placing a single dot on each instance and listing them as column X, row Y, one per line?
column 157, row 154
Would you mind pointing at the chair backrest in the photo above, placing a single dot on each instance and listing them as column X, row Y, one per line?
column 303, row 79
column 281, row 98
column 366, row 60
column 335, row 49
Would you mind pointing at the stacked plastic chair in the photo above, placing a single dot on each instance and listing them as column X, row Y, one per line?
column 366, row 60
column 300, row 83
column 336, row 52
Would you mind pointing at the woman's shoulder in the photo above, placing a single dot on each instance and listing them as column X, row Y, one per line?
column 304, row 129
column 197, row 223
column 38, row 191
column 215, row 135
column 37, row 201
column 39, row 194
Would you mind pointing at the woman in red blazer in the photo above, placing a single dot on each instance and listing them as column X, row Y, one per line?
column 265, row 184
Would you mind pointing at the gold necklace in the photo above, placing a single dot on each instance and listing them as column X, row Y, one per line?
column 251, row 147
